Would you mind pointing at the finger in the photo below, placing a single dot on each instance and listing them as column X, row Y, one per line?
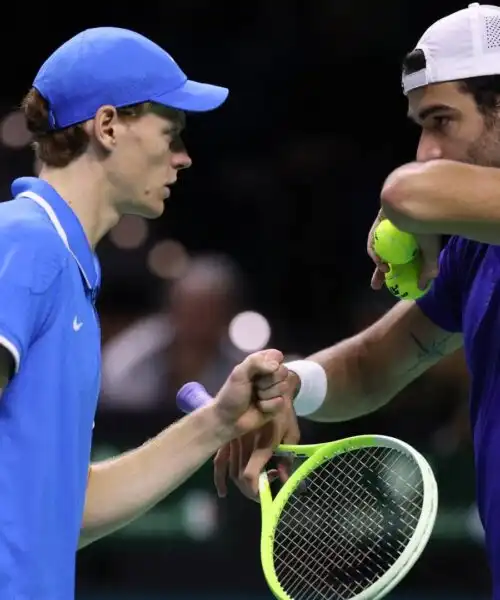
column 273, row 475
column 273, row 354
column 280, row 389
column 378, row 279
column 292, row 434
column 272, row 406
column 221, row 464
column 284, row 469
column 256, row 464
column 247, row 444
column 381, row 265
column 369, row 246
column 234, row 460
column 285, row 463
column 248, row 481
column 266, row 381
column 258, row 363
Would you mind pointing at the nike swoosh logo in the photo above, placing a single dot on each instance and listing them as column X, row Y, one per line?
column 76, row 325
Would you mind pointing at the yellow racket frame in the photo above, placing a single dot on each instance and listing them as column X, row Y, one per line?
column 316, row 455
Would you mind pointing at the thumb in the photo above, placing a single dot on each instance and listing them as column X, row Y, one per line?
column 429, row 249
column 264, row 362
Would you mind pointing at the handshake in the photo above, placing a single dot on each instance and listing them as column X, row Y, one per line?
column 255, row 411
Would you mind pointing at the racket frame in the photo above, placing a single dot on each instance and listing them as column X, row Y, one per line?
column 316, row 455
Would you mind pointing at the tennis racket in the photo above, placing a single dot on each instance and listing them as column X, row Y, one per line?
column 350, row 522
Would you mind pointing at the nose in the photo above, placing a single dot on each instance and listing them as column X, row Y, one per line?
column 181, row 160
column 428, row 148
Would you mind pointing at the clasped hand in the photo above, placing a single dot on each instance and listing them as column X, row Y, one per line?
column 257, row 399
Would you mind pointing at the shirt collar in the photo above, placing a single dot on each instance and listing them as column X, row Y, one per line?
column 65, row 222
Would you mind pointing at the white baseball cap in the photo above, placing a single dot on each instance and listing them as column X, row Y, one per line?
column 462, row 45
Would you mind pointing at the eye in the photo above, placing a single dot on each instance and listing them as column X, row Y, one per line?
column 440, row 122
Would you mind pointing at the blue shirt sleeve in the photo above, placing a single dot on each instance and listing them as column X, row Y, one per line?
column 27, row 271
column 443, row 302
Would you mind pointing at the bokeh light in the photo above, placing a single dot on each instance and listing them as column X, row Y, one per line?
column 250, row 331
column 130, row 233
column 168, row 259
column 13, row 131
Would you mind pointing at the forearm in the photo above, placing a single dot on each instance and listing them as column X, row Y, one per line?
column 368, row 370
column 123, row 488
column 445, row 197
column 355, row 386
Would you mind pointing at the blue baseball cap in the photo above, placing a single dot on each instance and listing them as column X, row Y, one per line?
column 110, row 65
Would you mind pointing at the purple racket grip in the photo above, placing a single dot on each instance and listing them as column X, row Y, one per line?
column 192, row 396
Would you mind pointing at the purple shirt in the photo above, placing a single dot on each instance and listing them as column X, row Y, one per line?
column 465, row 298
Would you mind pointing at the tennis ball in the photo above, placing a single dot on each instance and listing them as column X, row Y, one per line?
column 402, row 280
column 392, row 245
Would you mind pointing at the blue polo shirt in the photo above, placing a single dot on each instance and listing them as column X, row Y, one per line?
column 465, row 298
column 49, row 277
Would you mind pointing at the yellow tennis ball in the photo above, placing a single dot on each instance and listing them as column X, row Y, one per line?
column 402, row 280
column 392, row 245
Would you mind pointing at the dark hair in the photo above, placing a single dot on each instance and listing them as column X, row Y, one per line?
column 484, row 89
column 59, row 148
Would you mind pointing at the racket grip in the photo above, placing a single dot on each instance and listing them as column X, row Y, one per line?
column 192, row 396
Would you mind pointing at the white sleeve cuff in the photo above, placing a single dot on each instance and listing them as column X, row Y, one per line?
column 13, row 351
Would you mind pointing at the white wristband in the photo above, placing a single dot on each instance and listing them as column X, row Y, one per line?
column 313, row 386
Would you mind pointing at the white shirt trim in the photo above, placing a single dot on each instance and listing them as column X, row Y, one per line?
column 57, row 225
column 10, row 347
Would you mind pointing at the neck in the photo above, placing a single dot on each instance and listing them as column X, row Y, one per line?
column 85, row 189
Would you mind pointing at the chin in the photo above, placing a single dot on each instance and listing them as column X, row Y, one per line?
column 154, row 212
column 150, row 210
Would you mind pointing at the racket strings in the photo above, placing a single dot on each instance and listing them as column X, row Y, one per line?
column 344, row 529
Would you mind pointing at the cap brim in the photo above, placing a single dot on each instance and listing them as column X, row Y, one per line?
column 194, row 97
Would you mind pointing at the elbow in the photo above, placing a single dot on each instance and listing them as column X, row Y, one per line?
column 405, row 198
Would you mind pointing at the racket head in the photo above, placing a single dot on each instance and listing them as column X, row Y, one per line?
column 276, row 512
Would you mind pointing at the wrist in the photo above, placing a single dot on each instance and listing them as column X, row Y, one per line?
column 310, row 386
column 217, row 423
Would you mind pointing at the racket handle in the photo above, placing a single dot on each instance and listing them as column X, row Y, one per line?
column 192, row 396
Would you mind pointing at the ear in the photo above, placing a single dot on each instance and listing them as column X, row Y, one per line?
column 104, row 127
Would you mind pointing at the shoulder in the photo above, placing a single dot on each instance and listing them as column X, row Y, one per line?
column 31, row 251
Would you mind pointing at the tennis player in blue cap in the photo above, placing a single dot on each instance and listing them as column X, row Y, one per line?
column 106, row 110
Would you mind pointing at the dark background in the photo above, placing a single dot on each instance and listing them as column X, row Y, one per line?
column 285, row 181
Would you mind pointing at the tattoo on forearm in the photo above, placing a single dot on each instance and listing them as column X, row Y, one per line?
column 430, row 352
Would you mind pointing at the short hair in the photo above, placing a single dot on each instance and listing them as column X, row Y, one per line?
column 59, row 148
column 485, row 89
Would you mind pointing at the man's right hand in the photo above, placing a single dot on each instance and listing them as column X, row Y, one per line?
column 429, row 248
column 243, row 459
column 381, row 268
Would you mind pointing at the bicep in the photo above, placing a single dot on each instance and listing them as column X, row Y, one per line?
column 404, row 344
